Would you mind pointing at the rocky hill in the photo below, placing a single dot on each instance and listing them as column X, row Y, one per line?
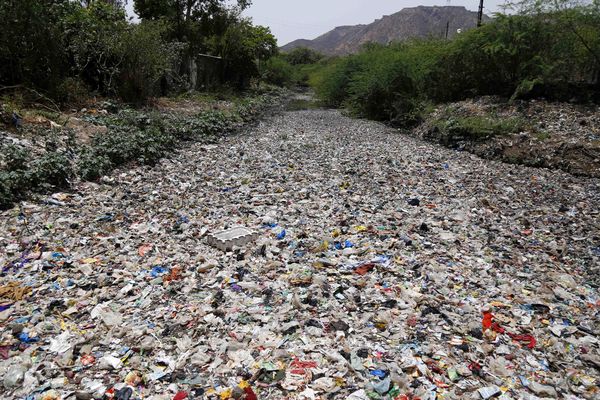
column 409, row 23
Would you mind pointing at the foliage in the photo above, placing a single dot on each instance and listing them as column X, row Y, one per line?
column 66, row 50
column 214, row 28
column 303, row 55
column 19, row 173
column 478, row 127
column 31, row 51
column 241, row 46
column 73, row 91
column 93, row 40
column 53, row 169
column 143, row 137
column 550, row 52
column 147, row 59
column 332, row 81
column 278, row 71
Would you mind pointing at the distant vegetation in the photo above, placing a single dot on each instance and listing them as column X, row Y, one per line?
column 68, row 50
column 292, row 68
column 539, row 51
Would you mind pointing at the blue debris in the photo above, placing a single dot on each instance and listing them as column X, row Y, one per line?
column 24, row 337
column 379, row 373
column 158, row 270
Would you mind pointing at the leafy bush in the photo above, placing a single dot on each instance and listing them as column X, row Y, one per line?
column 14, row 157
column 73, row 91
column 278, row 71
column 381, row 89
column 146, row 60
column 93, row 38
column 53, row 169
column 91, row 165
column 31, row 51
column 303, row 55
column 550, row 54
column 382, row 82
column 332, row 82
column 478, row 127
column 20, row 175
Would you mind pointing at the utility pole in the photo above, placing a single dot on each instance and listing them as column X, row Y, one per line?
column 480, row 14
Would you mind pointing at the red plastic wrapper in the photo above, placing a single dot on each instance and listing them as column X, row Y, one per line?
column 364, row 269
column 250, row 395
column 488, row 323
column 526, row 339
column 180, row 396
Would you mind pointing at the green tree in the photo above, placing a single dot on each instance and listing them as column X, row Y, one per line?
column 31, row 50
column 147, row 59
column 277, row 71
column 576, row 22
column 302, row 56
column 93, row 38
column 188, row 17
column 244, row 46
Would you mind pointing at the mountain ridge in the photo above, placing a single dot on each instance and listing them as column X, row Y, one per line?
column 411, row 22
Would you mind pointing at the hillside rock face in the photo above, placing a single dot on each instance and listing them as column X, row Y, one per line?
column 415, row 22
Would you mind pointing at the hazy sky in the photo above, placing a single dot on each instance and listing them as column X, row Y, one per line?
column 307, row 19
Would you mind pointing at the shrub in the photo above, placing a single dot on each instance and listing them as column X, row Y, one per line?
column 278, row 71
column 73, row 91
column 478, row 127
column 332, row 82
column 7, row 196
column 14, row 157
column 93, row 38
column 380, row 89
column 91, row 165
column 303, row 55
column 147, row 58
column 31, row 51
column 382, row 82
column 53, row 169
column 523, row 56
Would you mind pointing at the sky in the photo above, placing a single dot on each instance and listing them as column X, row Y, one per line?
column 306, row 19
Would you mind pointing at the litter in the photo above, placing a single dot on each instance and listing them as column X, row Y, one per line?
column 236, row 237
column 332, row 286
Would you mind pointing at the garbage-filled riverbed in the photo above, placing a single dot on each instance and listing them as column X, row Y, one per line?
column 379, row 267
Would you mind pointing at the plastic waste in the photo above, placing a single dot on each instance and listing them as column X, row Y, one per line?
column 374, row 272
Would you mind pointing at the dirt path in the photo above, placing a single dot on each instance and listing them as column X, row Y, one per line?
column 393, row 247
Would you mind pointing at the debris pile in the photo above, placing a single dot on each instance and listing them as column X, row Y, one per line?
column 383, row 267
column 554, row 135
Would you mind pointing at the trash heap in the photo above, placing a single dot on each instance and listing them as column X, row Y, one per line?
column 382, row 267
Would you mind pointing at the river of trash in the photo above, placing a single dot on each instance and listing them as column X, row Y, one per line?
column 382, row 267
